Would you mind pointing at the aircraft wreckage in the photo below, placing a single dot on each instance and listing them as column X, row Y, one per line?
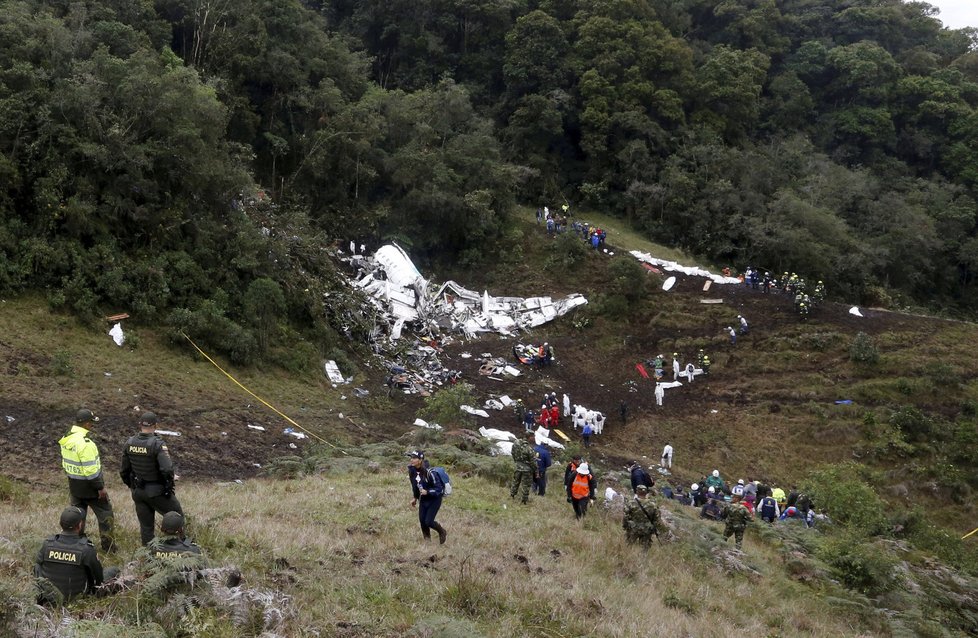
column 397, row 289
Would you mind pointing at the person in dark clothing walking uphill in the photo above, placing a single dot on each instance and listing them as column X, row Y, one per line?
column 428, row 491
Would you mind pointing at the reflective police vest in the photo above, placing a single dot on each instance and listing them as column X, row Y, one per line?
column 79, row 455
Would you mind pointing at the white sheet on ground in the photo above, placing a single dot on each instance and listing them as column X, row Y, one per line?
column 496, row 435
column 669, row 283
column 855, row 311
column 474, row 411
column 421, row 423
column 672, row 266
column 117, row 334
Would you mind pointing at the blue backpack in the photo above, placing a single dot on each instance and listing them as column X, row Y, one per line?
column 443, row 477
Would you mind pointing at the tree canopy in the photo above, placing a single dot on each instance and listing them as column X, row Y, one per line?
column 173, row 156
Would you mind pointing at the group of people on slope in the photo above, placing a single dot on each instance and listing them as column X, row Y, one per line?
column 67, row 564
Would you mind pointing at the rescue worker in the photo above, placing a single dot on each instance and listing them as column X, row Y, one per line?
column 172, row 542
column 86, row 487
column 148, row 472
column 706, row 366
column 582, row 490
column 699, row 357
column 733, row 335
column 743, row 324
column 660, row 394
column 428, row 491
column 544, row 461
column 675, row 366
column 666, row 460
column 525, row 467
column 67, row 564
column 519, row 410
column 623, row 411
column 714, row 480
column 738, row 518
column 639, row 477
column 641, row 517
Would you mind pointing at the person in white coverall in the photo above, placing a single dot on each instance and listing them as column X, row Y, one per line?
column 666, row 456
column 660, row 392
column 675, row 366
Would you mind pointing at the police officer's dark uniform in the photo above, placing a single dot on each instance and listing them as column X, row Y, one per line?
column 148, row 471
column 172, row 543
column 68, row 561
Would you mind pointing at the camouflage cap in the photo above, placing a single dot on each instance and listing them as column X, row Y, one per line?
column 642, row 489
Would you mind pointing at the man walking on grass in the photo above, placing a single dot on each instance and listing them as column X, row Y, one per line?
column 86, row 487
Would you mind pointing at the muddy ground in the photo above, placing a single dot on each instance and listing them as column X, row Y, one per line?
column 214, row 446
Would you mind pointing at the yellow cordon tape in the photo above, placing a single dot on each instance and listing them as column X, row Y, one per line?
column 969, row 533
column 263, row 401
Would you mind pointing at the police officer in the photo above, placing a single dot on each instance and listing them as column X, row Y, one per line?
column 67, row 563
column 148, row 471
column 172, row 542
column 86, row 488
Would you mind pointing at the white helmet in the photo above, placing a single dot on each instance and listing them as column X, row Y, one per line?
column 712, row 490
column 716, row 473
column 740, row 481
column 694, row 486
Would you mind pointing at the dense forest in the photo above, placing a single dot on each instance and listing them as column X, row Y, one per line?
column 186, row 160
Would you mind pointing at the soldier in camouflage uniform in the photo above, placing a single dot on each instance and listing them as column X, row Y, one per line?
column 737, row 517
column 641, row 517
column 525, row 459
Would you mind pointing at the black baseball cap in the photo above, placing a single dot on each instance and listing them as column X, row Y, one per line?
column 172, row 522
column 85, row 416
column 148, row 418
column 70, row 517
column 416, row 454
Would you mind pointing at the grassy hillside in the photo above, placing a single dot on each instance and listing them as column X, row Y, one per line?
column 326, row 537
column 345, row 549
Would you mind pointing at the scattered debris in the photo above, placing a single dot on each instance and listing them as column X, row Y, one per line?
column 669, row 283
column 707, row 284
column 672, row 266
column 117, row 334
column 421, row 423
column 361, row 393
column 108, row 374
column 333, row 372
column 493, row 404
column 712, row 301
column 855, row 311
column 256, row 427
column 292, row 432
column 10, row 419
column 168, row 432
column 474, row 411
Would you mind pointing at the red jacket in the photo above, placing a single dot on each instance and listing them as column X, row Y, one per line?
column 554, row 415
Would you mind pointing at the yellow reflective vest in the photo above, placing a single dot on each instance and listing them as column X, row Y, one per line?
column 79, row 456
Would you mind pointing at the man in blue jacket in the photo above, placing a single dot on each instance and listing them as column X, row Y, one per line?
column 428, row 490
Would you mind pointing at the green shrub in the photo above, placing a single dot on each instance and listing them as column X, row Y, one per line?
column 442, row 407
column 569, row 250
column 912, row 423
column 841, row 491
column 61, row 364
column 863, row 350
column 863, row 567
column 12, row 491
